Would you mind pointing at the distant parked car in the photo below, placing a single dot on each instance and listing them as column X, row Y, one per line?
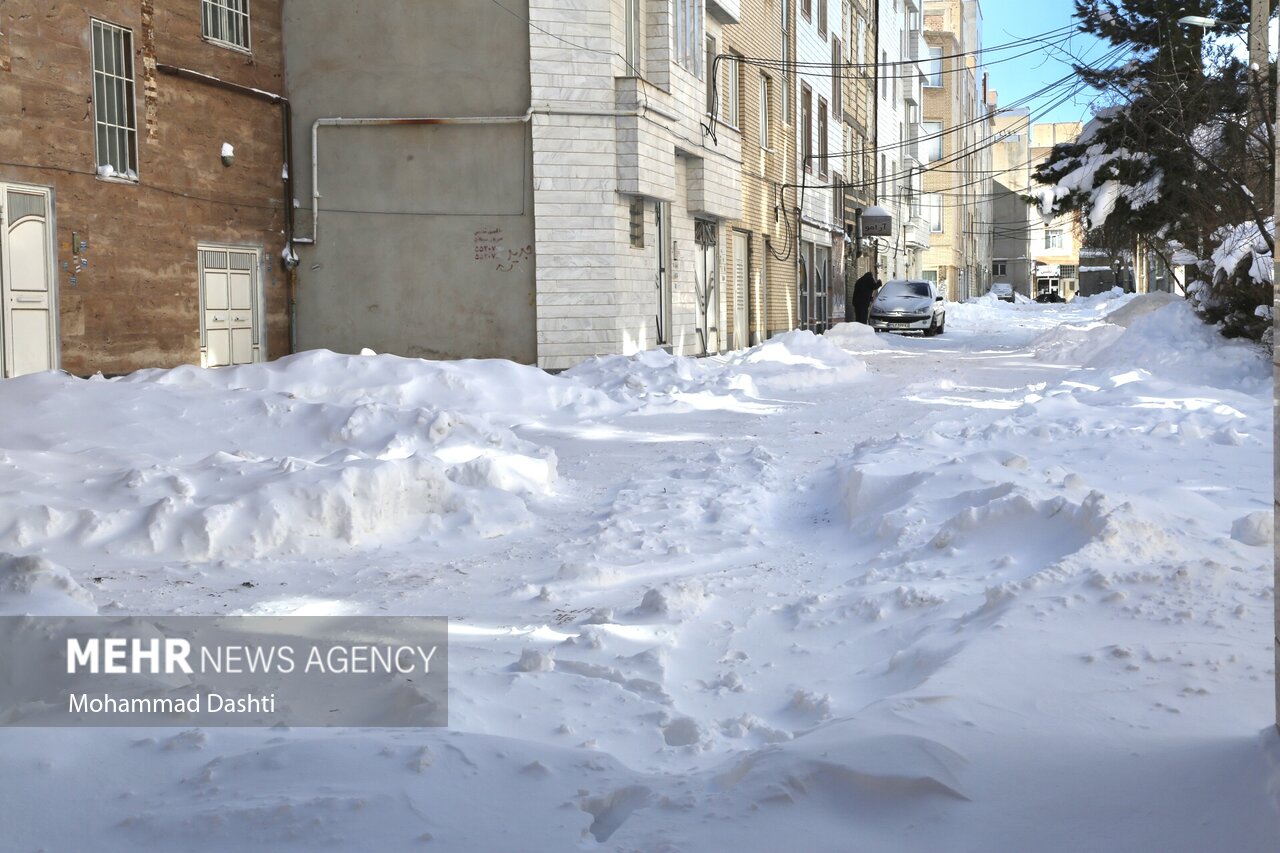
column 1050, row 296
column 1003, row 291
column 906, row 305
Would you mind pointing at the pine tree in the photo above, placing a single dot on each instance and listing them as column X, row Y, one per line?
column 1182, row 149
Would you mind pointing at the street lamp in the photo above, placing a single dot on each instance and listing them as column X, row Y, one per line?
column 1198, row 21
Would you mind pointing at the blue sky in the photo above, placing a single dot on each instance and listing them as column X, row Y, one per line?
column 1008, row 20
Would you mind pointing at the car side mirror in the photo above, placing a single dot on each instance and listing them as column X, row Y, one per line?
column 937, row 299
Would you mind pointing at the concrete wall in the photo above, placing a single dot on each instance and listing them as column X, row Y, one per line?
column 137, row 303
column 1011, row 216
column 425, row 240
column 1009, row 246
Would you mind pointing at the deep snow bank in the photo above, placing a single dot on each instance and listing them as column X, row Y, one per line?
column 250, row 462
column 787, row 362
column 503, row 391
column 1173, row 343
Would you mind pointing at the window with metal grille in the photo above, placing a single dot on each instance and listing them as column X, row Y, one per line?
column 765, row 83
column 633, row 35
column 785, row 6
column 733, row 84
column 932, row 205
column 822, row 137
column 688, row 35
column 837, row 79
column 1067, row 270
column 114, row 119
column 226, row 22
column 712, row 106
column 637, row 223
column 806, row 126
column 934, row 76
column 932, row 139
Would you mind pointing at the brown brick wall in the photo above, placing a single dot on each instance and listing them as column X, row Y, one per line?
column 137, row 303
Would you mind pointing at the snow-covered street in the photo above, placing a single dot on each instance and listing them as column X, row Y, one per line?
column 1007, row 588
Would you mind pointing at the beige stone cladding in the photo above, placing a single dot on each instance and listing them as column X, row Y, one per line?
column 945, row 179
column 768, row 166
column 1055, row 245
column 961, row 183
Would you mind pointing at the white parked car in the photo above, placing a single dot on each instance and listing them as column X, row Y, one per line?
column 1003, row 291
column 909, row 305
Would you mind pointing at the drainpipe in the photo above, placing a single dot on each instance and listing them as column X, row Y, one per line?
column 286, row 117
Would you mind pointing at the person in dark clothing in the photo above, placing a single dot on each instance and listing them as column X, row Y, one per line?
column 864, row 291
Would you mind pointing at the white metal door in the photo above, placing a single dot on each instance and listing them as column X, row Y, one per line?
column 741, row 332
column 29, row 321
column 230, row 306
column 662, row 210
column 706, row 282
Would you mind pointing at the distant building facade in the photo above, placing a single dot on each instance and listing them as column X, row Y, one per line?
column 859, row 110
column 901, row 153
column 1055, row 245
column 1011, row 214
column 958, row 126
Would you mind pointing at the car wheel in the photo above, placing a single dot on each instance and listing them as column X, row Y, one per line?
column 942, row 327
column 933, row 328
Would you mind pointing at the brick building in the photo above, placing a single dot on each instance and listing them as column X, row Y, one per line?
column 125, row 240
column 757, row 103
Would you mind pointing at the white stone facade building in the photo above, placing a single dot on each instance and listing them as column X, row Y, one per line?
column 631, row 183
column 821, row 53
column 903, row 55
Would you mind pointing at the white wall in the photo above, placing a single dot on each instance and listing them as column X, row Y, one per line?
column 612, row 138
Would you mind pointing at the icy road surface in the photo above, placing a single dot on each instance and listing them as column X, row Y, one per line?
column 1009, row 588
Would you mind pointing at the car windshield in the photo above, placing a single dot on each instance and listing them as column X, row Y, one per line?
column 905, row 288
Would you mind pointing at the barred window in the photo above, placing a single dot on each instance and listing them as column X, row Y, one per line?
column 765, row 83
column 226, row 22
column 114, row 118
column 688, row 35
